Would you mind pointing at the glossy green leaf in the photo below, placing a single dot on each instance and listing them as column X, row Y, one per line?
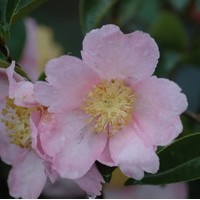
column 13, row 10
column 12, row 6
column 42, row 77
column 169, row 31
column 21, row 72
column 25, row 7
column 17, row 39
column 7, row 10
column 92, row 12
column 179, row 162
column 105, row 171
column 3, row 63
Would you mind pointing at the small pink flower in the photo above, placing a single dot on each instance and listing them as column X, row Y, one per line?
column 108, row 106
column 27, row 176
column 20, row 144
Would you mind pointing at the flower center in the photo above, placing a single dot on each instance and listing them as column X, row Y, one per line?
column 109, row 105
column 16, row 120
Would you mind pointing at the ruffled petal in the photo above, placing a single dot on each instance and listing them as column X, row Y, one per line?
column 159, row 102
column 9, row 153
column 71, row 144
column 91, row 182
column 37, row 146
column 27, row 178
column 132, row 154
column 21, row 91
column 69, row 81
column 113, row 54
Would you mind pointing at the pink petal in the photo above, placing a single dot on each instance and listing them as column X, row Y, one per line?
column 29, row 61
column 91, row 182
column 132, row 155
column 116, row 55
column 9, row 153
column 27, row 178
column 69, row 81
column 37, row 146
column 159, row 102
column 105, row 157
column 21, row 91
column 71, row 144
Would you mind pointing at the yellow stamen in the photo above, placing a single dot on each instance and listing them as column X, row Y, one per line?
column 109, row 105
column 16, row 120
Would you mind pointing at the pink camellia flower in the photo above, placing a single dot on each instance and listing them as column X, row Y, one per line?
column 20, row 145
column 108, row 106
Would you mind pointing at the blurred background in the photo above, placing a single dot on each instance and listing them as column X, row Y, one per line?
column 174, row 24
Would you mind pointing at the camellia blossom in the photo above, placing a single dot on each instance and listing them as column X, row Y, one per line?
column 39, row 48
column 19, row 144
column 108, row 105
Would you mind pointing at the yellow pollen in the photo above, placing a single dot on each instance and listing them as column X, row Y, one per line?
column 110, row 105
column 16, row 120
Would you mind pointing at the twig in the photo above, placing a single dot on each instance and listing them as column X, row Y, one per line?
column 192, row 115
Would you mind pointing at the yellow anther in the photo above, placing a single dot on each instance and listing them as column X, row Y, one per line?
column 16, row 120
column 110, row 105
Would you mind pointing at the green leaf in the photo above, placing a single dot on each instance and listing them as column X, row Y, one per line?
column 7, row 9
column 92, row 12
column 169, row 31
column 12, row 6
column 13, row 10
column 21, row 72
column 105, row 171
column 179, row 162
column 17, row 39
column 42, row 77
column 25, row 7
column 3, row 63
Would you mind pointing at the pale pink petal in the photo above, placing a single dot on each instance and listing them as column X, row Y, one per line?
column 91, row 182
column 9, row 153
column 69, row 80
column 116, row 55
column 171, row 191
column 37, row 146
column 105, row 157
column 132, row 155
column 159, row 102
column 71, row 144
column 29, row 61
column 21, row 91
column 4, row 83
column 27, row 177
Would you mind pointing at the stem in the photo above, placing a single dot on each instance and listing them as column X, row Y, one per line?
column 192, row 115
